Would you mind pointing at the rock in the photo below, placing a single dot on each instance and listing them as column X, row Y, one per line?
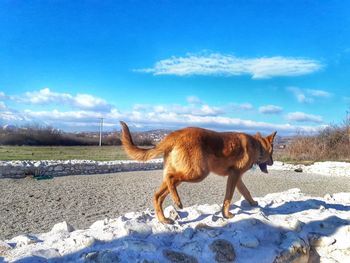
column 318, row 240
column 203, row 227
column 294, row 249
column 298, row 170
column 133, row 227
column 209, row 230
column 193, row 247
column 81, row 241
column 219, row 220
column 100, row 224
column 104, row 256
column 4, row 247
column 62, row 227
column 46, row 253
column 58, row 168
column 34, row 259
column 296, row 225
column 223, row 250
column 173, row 214
column 178, row 257
column 215, row 218
column 249, row 241
column 23, row 240
column 139, row 245
column 188, row 233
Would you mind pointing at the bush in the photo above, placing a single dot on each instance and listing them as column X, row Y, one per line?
column 42, row 136
column 331, row 143
column 36, row 135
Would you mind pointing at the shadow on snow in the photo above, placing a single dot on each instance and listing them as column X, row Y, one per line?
column 171, row 240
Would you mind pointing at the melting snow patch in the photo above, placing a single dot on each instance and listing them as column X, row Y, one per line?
column 287, row 226
column 324, row 168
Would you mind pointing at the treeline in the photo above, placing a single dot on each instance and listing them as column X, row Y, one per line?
column 48, row 136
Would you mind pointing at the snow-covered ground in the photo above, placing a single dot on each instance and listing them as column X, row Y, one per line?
column 283, row 227
column 324, row 168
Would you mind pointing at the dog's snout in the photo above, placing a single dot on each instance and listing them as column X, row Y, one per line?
column 270, row 162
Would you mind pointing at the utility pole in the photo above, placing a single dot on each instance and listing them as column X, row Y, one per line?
column 101, row 126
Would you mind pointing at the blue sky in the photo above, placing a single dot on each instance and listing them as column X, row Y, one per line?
column 227, row 65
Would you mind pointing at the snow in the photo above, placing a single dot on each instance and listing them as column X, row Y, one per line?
column 324, row 168
column 284, row 226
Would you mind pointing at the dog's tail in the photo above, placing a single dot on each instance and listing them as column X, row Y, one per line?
column 137, row 153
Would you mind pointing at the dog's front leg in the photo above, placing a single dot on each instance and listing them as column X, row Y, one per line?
column 245, row 192
column 230, row 187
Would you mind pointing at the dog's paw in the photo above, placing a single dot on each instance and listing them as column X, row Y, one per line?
column 254, row 203
column 167, row 221
column 179, row 205
column 228, row 215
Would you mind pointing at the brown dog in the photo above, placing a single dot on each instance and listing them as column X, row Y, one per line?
column 191, row 154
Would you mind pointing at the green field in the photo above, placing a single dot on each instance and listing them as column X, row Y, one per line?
column 104, row 153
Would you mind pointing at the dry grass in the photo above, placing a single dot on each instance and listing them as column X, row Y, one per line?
column 330, row 144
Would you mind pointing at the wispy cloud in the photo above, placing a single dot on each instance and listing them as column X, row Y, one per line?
column 164, row 119
column 228, row 65
column 299, row 95
column 194, row 109
column 2, row 95
column 308, row 95
column 319, row 93
column 194, row 100
column 270, row 109
column 81, row 101
column 304, row 117
column 242, row 106
column 2, row 105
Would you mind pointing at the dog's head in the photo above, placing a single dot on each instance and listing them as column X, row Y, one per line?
column 265, row 151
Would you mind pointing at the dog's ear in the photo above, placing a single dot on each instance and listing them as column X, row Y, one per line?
column 258, row 135
column 271, row 137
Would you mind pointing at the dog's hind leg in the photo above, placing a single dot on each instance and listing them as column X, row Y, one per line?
column 172, row 182
column 230, row 187
column 245, row 192
column 158, row 199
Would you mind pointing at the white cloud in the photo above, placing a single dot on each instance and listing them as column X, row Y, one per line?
column 245, row 106
column 270, row 109
column 218, row 64
column 308, row 95
column 194, row 100
column 146, row 116
column 162, row 119
column 11, row 116
column 81, row 101
column 2, row 95
column 207, row 110
column 2, row 105
column 194, row 109
column 86, row 101
column 299, row 95
column 71, row 116
column 319, row 93
column 304, row 117
column 242, row 106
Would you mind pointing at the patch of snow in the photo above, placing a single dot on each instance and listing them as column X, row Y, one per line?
column 324, row 168
column 284, row 227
